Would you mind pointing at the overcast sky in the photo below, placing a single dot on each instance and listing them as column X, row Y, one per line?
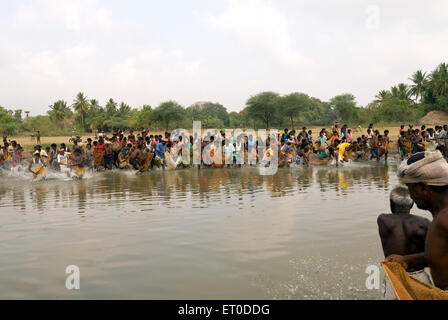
column 146, row 52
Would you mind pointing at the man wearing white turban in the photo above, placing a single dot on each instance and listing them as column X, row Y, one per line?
column 426, row 175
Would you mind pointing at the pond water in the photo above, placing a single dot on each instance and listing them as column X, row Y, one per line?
column 304, row 233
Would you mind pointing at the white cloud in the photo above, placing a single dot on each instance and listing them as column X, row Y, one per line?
column 26, row 16
column 72, row 15
column 107, row 57
column 225, row 52
column 146, row 76
column 260, row 26
column 155, row 67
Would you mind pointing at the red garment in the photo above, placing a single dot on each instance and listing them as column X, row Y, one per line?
column 100, row 147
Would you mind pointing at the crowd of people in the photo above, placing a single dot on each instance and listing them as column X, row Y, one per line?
column 144, row 151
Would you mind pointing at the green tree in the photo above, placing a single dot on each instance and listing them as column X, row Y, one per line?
column 194, row 112
column 7, row 123
column 263, row 106
column 394, row 92
column 403, row 91
column 235, row 119
column 81, row 106
column 95, row 118
column 382, row 96
column 345, row 106
column 124, row 110
column 419, row 81
column 439, row 80
column 44, row 124
column 111, row 108
column 293, row 105
column 167, row 113
column 214, row 122
column 143, row 118
column 59, row 111
column 18, row 115
column 319, row 113
column 397, row 110
column 214, row 112
column 208, row 113
column 94, row 104
column 248, row 120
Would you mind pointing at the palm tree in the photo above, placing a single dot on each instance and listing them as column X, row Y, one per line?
column 81, row 106
column 111, row 107
column 394, row 92
column 382, row 95
column 439, row 80
column 124, row 109
column 403, row 91
column 419, row 79
column 94, row 104
column 58, row 110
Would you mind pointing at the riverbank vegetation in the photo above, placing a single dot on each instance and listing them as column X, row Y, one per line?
column 402, row 103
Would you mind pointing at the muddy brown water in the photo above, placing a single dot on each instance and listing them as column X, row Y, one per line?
column 304, row 233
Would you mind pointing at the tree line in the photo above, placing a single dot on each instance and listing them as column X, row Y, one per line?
column 426, row 92
column 401, row 103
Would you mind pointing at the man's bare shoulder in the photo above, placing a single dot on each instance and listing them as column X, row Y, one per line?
column 416, row 225
column 417, row 219
column 441, row 220
column 387, row 221
column 388, row 217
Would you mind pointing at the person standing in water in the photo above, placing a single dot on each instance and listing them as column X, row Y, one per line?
column 402, row 233
column 402, row 145
column 135, row 156
column 160, row 153
column 78, row 163
column 37, row 166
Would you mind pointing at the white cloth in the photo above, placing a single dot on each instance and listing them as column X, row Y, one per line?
column 431, row 170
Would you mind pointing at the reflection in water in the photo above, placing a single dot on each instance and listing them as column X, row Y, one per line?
column 204, row 186
column 211, row 233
